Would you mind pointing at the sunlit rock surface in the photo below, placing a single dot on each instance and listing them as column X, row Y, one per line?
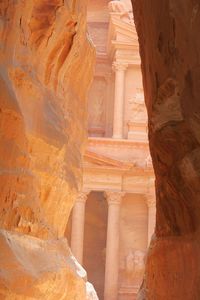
column 91, row 293
column 46, row 68
column 170, row 51
column 39, row 269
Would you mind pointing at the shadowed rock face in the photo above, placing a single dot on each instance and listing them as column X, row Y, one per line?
column 170, row 51
column 46, row 68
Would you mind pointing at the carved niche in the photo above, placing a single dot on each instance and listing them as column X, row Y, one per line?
column 96, row 107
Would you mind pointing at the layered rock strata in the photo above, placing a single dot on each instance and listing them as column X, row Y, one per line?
column 46, row 68
column 170, row 51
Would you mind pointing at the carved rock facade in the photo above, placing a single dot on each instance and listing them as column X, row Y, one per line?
column 114, row 215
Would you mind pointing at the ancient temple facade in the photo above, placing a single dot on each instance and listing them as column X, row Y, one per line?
column 114, row 216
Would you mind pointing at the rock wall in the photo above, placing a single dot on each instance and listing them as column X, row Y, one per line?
column 46, row 68
column 170, row 50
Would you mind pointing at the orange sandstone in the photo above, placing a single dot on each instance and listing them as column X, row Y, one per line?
column 170, row 51
column 46, row 68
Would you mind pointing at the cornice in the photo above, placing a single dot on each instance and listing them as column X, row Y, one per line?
column 117, row 142
column 134, row 171
column 125, row 45
column 102, row 57
column 129, row 27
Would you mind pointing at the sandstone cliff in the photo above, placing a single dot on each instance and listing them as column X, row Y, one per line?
column 170, row 51
column 46, row 68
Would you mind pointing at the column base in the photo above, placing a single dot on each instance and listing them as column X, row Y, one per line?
column 117, row 137
column 128, row 292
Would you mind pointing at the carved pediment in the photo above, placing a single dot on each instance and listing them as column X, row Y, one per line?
column 93, row 158
column 122, row 35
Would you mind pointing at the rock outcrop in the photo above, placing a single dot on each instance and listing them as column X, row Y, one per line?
column 170, row 51
column 46, row 68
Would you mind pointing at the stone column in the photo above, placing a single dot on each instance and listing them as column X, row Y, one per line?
column 151, row 203
column 118, row 117
column 112, row 246
column 78, row 220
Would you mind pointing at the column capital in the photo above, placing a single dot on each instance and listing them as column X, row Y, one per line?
column 114, row 197
column 151, row 202
column 119, row 66
column 151, row 199
column 82, row 197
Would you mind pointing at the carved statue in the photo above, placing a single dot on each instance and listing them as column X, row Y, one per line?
column 137, row 107
column 117, row 6
column 130, row 262
column 134, row 266
column 122, row 7
column 139, row 263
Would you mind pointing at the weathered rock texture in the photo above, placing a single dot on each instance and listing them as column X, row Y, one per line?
column 46, row 67
column 170, row 50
